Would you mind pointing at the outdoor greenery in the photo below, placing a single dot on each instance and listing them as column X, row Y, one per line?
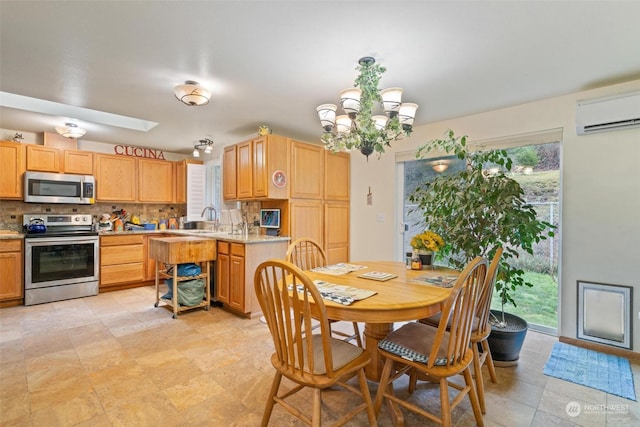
column 537, row 304
column 476, row 211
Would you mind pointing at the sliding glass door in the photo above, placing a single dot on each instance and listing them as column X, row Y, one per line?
column 537, row 169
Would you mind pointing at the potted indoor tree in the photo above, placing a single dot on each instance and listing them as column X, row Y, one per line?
column 476, row 210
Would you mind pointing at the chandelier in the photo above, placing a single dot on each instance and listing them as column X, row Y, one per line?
column 359, row 128
column 204, row 144
column 192, row 94
column 70, row 130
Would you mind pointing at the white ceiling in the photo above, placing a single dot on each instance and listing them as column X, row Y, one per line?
column 273, row 62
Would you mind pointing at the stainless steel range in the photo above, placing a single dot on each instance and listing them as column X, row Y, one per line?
column 61, row 262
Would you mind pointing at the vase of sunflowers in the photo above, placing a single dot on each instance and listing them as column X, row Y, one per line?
column 425, row 244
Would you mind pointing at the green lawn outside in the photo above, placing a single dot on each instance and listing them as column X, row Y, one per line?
column 537, row 304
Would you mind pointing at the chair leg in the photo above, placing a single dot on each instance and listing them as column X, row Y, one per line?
column 364, row 388
column 413, row 379
column 275, row 385
column 382, row 385
column 473, row 396
column 356, row 330
column 477, row 373
column 317, row 402
column 445, row 405
column 489, row 361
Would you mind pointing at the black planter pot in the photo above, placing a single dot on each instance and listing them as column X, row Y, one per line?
column 506, row 343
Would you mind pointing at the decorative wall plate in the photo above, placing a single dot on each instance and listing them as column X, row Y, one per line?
column 279, row 179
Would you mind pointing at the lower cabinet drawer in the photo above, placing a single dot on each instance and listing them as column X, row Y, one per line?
column 123, row 273
column 125, row 254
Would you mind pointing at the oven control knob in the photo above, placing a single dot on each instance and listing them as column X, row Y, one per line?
column 76, row 219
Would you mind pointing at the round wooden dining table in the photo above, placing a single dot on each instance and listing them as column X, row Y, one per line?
column 410, row 295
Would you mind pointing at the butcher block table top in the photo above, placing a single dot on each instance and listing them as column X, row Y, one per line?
column 179, row 250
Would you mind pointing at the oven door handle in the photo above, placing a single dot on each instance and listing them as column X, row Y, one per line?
column 43, row 241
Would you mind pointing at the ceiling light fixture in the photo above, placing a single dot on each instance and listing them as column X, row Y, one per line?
column 359, row 128
column 440, row 166
column 204, row 144
column 191, row 93
column 70, row 130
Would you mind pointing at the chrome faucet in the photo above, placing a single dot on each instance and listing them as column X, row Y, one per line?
column 215, row 214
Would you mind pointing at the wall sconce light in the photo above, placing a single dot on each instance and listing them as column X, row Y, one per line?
column 192, row 94
column 70, row 130
column 440, row 166
column 204, row 144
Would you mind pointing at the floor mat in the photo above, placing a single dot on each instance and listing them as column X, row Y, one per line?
column 606, row 372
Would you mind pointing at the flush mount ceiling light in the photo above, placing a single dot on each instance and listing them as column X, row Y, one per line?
column 191, row 93
column 359, row 128
column 204, row 144
column 440, row 166
column 70, row 130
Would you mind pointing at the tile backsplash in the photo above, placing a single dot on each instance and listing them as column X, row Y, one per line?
column 11, row 211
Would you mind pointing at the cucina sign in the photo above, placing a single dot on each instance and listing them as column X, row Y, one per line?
column 123, row 150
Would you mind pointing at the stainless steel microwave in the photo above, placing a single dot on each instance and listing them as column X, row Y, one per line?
column 47, row 187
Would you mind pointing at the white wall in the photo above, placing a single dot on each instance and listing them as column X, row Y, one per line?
column 600, row 238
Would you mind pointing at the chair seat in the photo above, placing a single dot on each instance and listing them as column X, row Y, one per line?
column 342, row 353
column 414, row 341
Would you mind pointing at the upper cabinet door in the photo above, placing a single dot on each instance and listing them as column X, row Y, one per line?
column 260, row 179
column 155, row 181
column 229, row 168
column 245, row 170
column 44, row 159
column 115, row 178
column 307, row 169
column 12, row 167
column 336, row 176
column 80, row 162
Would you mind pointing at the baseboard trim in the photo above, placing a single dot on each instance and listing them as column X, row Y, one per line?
column 631, row 355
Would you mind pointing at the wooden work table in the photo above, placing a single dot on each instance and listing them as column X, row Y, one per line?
column 181, row 250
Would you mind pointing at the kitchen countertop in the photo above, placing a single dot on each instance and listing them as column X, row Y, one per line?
column 217, row 235
column 6, row 234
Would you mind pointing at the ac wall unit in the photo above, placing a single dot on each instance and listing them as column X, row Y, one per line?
column 608, row 113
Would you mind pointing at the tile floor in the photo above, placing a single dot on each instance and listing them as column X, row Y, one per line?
column 115, row 360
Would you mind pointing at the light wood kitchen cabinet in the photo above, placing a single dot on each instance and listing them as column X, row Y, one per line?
column 116, row 178
column 12, row 167
column 230, row 283
column 256, row 161
column 306, row 220
column 78, row 162
column 307, row 170
column 223, row 269
column 336, row 231
column 122, row 261
column 43, row 159
column 244, row 171
column 229, row 168
column 236, row 265
column 11, row 279
column 336, row 176
column 155, row 181
column 260, row 180
column 51, row 159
